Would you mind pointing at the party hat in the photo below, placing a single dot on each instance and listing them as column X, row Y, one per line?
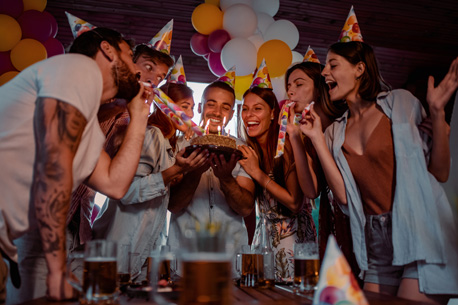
column 261, row 78
column 351, row 30
column 177, row 75
column 311, row 56
column 77, row 25
column 228, row 77
column 337, row 284
column 163, row 39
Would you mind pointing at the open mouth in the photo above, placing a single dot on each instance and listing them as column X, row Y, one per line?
column 331, row 84
column 251, row 125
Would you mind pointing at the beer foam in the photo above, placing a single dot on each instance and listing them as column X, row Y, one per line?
column 206, row 256
column 313, row 256
column 100, row 259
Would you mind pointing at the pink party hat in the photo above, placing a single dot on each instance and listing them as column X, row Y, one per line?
column 228, row 77
column 163, row 39
column 337, row 284
column 177, row 75
column 77, row 25
column 311, row 56
column 351, row 30
column 261, row 78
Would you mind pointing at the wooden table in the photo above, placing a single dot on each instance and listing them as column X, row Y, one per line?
column 279, row 295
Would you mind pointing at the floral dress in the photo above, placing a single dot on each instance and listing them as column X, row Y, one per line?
column 285, row 229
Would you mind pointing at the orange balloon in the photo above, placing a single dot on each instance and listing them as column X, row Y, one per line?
column 242, row 83
column 10, row 32
column 7, row 76
column 27, row 52
column 206, row 18
column 278, row 56
column 38, row 5
column 214, row 2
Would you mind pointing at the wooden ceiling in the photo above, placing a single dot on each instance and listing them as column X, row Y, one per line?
column 410, row 38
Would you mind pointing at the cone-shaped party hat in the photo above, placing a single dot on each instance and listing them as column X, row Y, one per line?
column 351, row 30
column 311, row 56
column 177, row 75
column 77, row 25
column 228, row 77
column 261, row 78
column 163, row 39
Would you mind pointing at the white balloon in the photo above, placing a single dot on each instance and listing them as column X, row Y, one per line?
column 297, row 57
column 257, row 40
column 278, row 85
column 264, row 20
column 241, row 53
column 240, row 20
column 283, row 30
column 267, row 6
column 224, row 4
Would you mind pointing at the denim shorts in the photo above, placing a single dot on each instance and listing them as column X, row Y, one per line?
column 380, row 253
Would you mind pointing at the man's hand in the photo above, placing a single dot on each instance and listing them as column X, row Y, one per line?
column 221, row 168
column 140, row 104
column 58, row 287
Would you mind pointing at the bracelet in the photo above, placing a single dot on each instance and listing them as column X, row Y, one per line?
column 265, row 186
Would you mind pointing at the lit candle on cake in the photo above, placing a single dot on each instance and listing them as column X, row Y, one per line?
column 219, row 130
column 224, row 125
column 206, row 126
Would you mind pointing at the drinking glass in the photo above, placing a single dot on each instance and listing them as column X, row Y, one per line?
column 250, row 266
column 97, row 282
column 306, row 267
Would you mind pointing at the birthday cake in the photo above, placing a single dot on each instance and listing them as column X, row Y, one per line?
column 216, row 140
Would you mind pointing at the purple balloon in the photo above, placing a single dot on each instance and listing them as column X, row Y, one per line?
column 12, row 8
column 217, row 39
column 52, row 20
column 35, row 25
column 199, row 44
column 206, row 56
column 215, row 65
column 5, row 63
column 53, row 47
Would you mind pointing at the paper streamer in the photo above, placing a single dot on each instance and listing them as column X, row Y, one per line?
column 161, row 98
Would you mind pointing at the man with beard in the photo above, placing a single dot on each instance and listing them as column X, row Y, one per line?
column 50, row 142
column 218, row 196
column 153, row 66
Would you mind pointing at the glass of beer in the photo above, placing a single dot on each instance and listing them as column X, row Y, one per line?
column 250, row 266
column 97, row 283
column 306, row 267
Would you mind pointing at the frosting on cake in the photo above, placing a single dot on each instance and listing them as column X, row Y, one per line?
column 213, row 139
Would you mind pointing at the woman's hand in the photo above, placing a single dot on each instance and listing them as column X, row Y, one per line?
column 251, row 162
column 311, row 124
column 293, row 129
column 437, row 97
column 188, row 134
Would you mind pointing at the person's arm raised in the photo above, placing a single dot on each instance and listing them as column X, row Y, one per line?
column 113, row 177
column 58, row 130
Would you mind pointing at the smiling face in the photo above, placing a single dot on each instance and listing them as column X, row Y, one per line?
column 257, row 116
column 187, row 105
column 342, row 77
column 218, row 104
column 301, row 89
column 150, row 71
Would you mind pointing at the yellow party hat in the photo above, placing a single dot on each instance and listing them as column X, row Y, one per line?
column 177, row 75
column 163, row 39
column 261, row 78
column 77, row 25
column 228, row 77
column 351, row 30
column 311, row 56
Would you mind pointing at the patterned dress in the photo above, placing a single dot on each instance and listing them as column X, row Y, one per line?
column 285, row 229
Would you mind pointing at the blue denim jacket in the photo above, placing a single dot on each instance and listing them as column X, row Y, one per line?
column 423, row 226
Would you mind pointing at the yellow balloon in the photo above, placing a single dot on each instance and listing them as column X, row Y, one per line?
column 242, row 83
column 7, row 76
column 278, row 56
column 27, row 52
column 10, row 32
column 38, row 5
column 214, row 2
column 206, row 18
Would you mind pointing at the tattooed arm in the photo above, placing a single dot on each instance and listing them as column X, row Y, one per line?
column 58, row 129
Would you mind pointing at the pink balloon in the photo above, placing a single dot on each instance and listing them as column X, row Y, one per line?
column 199, row 44
column 52, row 20
column 53, row 47
column 5, row 63
column 206, row 56
column 35, row 25
column 217, row 39
column 12, row 8
column 215, row 65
